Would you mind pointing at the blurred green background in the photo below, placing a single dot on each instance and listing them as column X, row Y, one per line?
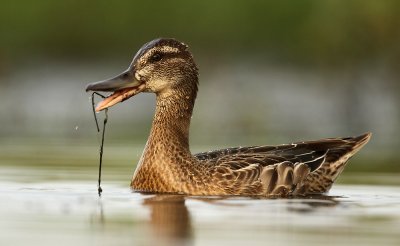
column 271, row 72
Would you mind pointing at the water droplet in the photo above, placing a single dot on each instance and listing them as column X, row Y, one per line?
column 76, row 128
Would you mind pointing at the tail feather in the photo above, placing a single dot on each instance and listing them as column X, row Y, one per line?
column 321, row 179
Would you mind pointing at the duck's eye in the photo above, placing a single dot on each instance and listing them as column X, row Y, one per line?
column 155, row 57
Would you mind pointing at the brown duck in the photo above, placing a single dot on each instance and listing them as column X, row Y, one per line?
column 166, row 67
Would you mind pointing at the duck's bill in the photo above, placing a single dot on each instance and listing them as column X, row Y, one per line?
column 123, row 87
column 118, row 96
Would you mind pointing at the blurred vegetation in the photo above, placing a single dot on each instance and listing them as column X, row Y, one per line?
column 327, row 33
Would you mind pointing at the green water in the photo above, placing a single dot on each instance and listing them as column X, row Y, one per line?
column 49, row 196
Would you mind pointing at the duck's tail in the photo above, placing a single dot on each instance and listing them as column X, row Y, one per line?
column 321, row 179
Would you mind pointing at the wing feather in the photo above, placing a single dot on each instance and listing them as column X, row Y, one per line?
column 277, row 169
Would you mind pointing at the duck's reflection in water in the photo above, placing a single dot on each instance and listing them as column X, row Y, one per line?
column 171, row 224
column 170, row 220
column 311, row 203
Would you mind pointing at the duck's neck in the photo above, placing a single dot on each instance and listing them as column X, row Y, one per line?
column 172, row 120
column 168, row 144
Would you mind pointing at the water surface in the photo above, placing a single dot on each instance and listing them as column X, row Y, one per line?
column 71, row 213
column 48, row 196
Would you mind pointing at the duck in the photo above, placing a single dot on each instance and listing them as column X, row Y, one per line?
column 166, row 67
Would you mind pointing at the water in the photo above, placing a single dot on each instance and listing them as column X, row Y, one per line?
column 71, row 213
column 48, row 196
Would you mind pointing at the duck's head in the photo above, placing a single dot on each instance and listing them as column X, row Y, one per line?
column 162, row 66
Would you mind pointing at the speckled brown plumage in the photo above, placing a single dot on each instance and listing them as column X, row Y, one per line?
column 166, row 68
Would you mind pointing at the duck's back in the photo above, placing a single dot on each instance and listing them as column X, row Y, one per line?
column 292, row 169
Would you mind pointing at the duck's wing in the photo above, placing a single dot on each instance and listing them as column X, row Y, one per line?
column 323, row 158
column 312, row 153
